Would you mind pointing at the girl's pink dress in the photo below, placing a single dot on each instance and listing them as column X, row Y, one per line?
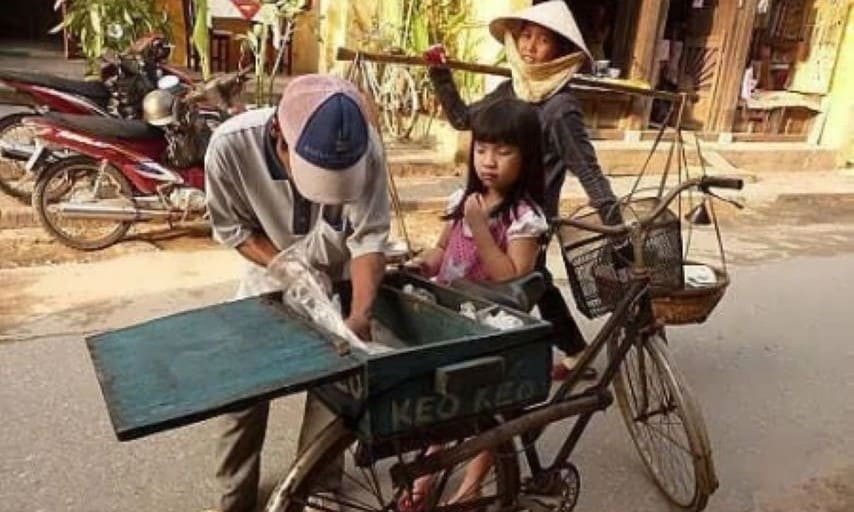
column 461, row 260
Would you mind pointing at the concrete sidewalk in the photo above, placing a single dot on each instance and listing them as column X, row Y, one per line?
column 822, row 188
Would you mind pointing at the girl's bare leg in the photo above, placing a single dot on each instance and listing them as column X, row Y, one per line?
column 470, row 487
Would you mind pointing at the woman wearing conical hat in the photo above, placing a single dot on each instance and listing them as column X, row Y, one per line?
column 544, row 49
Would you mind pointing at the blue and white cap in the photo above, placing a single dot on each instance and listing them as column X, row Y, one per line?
column 324, row 121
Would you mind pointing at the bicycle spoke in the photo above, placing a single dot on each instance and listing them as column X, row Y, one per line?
column 673, row 441
column 652, row 399
column 379, row 489
column 357, row 482
column 370, row 481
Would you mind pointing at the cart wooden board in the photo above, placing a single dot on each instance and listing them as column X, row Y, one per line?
column 188, row 367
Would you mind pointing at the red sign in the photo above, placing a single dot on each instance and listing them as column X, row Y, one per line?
column 247, row 8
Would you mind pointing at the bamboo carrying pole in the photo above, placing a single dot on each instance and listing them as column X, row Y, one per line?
column 579, row 81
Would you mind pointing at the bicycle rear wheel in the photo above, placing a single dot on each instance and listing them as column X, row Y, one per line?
column 665, row 423
column 398, row 99
column 366, row 483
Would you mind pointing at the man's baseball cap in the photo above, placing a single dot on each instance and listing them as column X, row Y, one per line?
column 324, row 122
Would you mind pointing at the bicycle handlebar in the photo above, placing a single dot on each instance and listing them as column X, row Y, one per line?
column 721, row 182
column 704, row 183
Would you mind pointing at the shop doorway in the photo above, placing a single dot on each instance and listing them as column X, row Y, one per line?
column 28, row 22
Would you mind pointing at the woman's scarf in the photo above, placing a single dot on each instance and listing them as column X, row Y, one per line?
column 536, row 82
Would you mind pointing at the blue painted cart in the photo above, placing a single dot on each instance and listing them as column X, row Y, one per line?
column 188, row 367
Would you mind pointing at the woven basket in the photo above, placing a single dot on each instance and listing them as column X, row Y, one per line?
column 690, row 305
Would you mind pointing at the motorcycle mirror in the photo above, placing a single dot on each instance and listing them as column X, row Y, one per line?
column 168, row 82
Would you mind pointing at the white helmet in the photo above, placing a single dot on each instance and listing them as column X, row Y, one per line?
column 158, row 107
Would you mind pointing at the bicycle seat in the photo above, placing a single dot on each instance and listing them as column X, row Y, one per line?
column 106, row 127
column 520, row 293
column 95, row 91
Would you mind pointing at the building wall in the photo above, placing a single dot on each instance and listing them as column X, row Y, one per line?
column 175, row 11
column 838, row 130
column 345, row 23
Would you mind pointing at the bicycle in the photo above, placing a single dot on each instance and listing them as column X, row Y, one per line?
column 659, row 410
column 394, row 94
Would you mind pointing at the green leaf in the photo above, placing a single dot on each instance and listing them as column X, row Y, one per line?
column 59, row 27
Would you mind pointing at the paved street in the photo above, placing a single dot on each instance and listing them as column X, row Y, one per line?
column 772, row 370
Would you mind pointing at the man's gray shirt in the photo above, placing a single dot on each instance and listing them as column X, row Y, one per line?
column 244, row 197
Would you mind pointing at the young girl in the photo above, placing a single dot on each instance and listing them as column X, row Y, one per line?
column 494, row 226
column 544, row 49
column 493, row 231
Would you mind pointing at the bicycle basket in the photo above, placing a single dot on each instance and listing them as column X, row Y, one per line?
column 593, row 267
column 690, row 305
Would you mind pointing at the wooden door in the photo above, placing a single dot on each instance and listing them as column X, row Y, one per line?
column 702, row 60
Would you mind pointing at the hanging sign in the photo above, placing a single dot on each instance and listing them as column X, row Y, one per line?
column 248, row 8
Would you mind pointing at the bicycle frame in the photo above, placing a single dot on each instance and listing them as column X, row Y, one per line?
column 634, row 313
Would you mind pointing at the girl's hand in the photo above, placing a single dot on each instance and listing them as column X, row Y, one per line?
column 436, row 56
column 427, row 263
column 475, row 211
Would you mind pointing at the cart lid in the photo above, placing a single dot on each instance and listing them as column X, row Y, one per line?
column 195, row 365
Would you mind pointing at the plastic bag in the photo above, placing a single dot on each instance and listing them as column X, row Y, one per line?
column 491, row 316
column 307, row 291
column 421, row 293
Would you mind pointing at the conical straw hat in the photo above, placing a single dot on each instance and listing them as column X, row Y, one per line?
column 554, row 15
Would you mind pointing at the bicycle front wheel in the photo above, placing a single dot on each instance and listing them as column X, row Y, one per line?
column 665, row 423
column 338, row 473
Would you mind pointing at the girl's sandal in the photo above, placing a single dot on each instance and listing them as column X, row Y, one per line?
column 562, row 369
column 416, row 501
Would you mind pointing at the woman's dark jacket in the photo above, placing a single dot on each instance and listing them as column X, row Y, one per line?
column 566, row 145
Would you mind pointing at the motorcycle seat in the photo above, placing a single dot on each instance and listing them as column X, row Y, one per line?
column 106, row 127
column 94, row 90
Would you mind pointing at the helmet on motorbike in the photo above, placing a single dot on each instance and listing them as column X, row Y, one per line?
column 157, row 108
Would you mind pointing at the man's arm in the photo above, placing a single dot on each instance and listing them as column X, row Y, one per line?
column 258, row 249
column 370, row 218
column 233, row 222
column 366, row 273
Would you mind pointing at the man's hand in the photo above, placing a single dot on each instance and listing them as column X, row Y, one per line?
column 360, row 325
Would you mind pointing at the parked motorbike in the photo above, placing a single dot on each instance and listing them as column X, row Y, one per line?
column 128, row 171
column 125, row 80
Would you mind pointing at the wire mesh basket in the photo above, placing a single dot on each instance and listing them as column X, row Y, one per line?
column 598, row 274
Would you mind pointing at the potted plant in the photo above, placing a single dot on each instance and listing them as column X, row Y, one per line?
column 100, row 25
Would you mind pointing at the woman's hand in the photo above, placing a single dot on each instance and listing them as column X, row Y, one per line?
column 475, row 211
column 436, row 56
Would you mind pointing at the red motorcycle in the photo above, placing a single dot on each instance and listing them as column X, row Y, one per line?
column 125, row 80
column 126, row 171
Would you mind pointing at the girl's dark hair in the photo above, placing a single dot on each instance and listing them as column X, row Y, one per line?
column 516, row 123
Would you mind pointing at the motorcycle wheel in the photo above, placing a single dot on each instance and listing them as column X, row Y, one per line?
column 76, row 177
column 14, row 178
